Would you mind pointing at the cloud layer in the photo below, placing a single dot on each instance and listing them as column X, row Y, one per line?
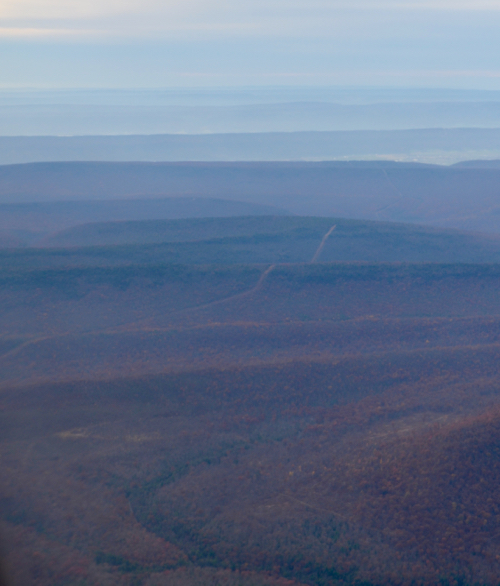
column 139, row 18
column 153, row 43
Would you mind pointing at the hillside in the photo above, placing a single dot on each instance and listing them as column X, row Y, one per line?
column 185, row 230
column 251, row 239
column 79, row 322
column 353, row 239
column 251, row 425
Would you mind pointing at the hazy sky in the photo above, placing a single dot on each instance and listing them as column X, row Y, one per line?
column 152, row 43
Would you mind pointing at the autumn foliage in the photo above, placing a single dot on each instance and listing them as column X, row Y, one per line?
column 336, row 425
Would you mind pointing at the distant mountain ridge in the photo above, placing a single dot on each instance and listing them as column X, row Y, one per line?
column 429, row 144
column 480, row 164
column 301, row 113
column 26, row 224
column 463, row 197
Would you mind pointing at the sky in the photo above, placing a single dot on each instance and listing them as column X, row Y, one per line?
column 225, row 43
